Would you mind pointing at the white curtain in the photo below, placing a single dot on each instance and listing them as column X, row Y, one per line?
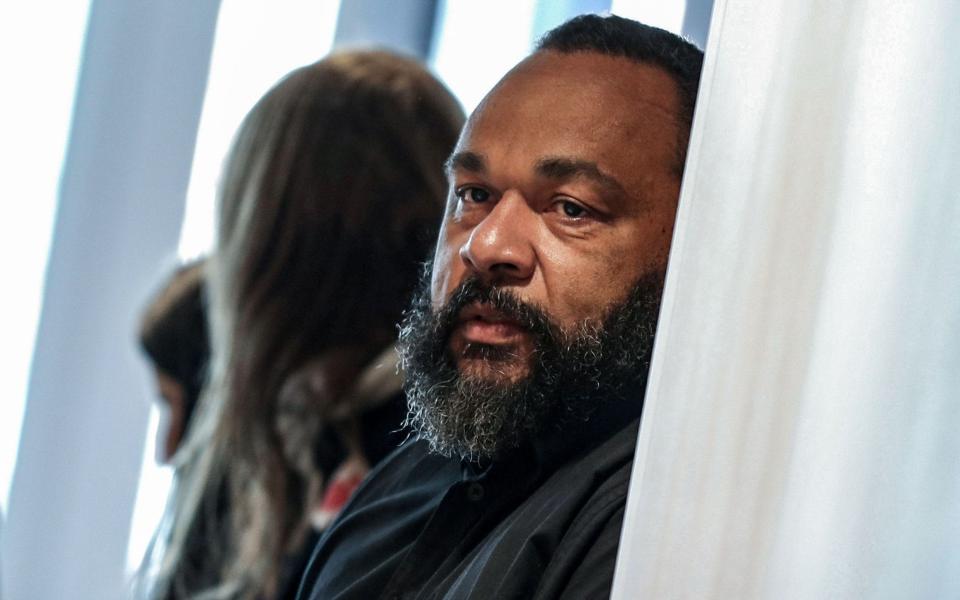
column 801, row 435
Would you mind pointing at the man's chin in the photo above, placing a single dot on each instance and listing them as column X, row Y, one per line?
column 493, row 372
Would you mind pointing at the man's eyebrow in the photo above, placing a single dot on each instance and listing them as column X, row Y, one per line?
column 466, row 161
column 558, row 167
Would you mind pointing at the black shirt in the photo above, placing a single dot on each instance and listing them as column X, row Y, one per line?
column 544, row 523
column 381, row 431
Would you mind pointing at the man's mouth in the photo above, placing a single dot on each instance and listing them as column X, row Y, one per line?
column 480, row 323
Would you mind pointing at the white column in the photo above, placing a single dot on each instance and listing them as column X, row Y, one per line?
column 801, row 437
column 403, row 26
column 121, row 204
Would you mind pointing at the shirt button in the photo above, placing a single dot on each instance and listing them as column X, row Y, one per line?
column 475, row 492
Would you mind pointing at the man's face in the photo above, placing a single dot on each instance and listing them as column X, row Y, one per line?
column 563, row 192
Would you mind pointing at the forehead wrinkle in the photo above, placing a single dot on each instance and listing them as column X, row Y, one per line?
column 564, row 168
column 658, row 110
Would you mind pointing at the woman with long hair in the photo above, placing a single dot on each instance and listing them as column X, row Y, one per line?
column 329, row 204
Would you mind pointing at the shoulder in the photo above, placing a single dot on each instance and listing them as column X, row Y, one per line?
column 583, row 560
column 607, row 469
column 586, row 569
column 598, row 477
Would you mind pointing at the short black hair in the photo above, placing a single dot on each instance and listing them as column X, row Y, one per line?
column 615, row 36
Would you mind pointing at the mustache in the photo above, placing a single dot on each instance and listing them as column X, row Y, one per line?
column 474, row 290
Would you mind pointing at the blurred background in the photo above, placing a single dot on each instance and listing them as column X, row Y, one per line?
column 114, row 123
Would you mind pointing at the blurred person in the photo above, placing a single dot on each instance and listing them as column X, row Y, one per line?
column 329, row 204
column 527, row 349
column 173, row 336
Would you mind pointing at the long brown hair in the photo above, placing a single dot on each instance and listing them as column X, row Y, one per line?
column 330, row 201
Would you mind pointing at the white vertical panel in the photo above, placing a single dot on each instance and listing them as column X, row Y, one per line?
column 43, row 55
column 477, row 42
column 121, row 193
column 404, row 26
column 800, row 433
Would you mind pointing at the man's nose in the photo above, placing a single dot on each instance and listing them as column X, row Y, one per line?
column 500, row 247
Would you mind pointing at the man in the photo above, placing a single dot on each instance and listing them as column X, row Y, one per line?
column 527, row 351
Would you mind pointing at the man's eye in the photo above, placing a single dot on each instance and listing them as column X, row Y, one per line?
column 572, row 209
column 473, row 194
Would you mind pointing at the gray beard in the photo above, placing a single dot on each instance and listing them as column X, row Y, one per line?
column 572, row 374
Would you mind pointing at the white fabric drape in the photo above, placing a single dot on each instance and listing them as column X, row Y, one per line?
column 800, row 431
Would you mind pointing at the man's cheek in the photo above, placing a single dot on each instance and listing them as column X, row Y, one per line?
column 445, row 276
